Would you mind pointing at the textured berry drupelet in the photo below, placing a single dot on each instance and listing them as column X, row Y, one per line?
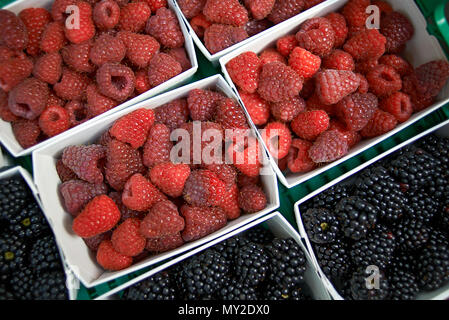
column 422, row 207
column 164, row 26
column 437, row 147
column 251, row 264
column 411, row 234
column 404, row 285
column 328, row 199
column 21, row 283
column 356, row 217
column 359, row 288
column 317, row 36
column 44, row 255
column 218, row 37
column 157, row 287
column 259, row 235
column 334, row 259
column 50, row 286
column 331, row 145
column 84, row 161
column 322, row 226
column 30, row 222
column 234, row 289
column 13, row 253
column 14, row 194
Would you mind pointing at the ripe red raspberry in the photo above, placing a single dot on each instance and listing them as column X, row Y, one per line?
column 199, row 24
column 230, row 115
column 365, row 66
column 271, row 55
column 417, row 92
column 286, row 44
column 384, row 81
column 13, row 33
column 134, row 16
column 122, row 161
column 219, row 37
column 133, row 128
column 244, row 180
column 202, row 104
column 384, row 7
column 109, row 259
column 94, row 242
column 97, row 103
column 399, row 105
column 285, row 9
column 328, row 147
column 98, row 216
column 352, row 137
column 72, row 85
column 305, row 63
column 116, row 81
column 288, row 110
column 191, row 8
column 140, row 194
column 382, row 122
column 156, row 4
column 173, row 114
column 85, row 161
column 107, row 48
column 253, row 27
column 398, row 29
column 162, row 68
column 339, row 60
column 58, row 9
column 162, row 220
column 126, row 213
column 163, row 244
column 13, row 71
column 432, row 77
column 259, row 9
column 142, row 82
column 77, row 193
column 230, row 204
column 226, row 12
column 317, row 36
column 258, row 108
column 278, row 82
column 106, row 14
column 244, row 71
column 224, row 172
column 26, row 132
column 402, row 66
column 364, row 84
column 126, row 238
column 314, row 103
column 366, row 45
column 29, row 98
column 252, row 199
column 200, row 221
column 246, row 156
column 86, row 28
column 48, row 68
column 355, row 12
column 6, row 53
column 164, row 26
column 356, row 110
column 64, row 173
column 35, row 20
column 180, row 55
column 77, row 111
column 204, row 188
column 170, row 178
column 338, row 23
column 54, row 120
column 298, row 160
column 158, row 146
column 76, row 56
column 54, row 100
column 5, row 112
column 310, row 124
column 278, row 138
column 334, row 85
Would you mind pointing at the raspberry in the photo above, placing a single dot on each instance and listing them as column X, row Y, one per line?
column 364, row 84
column 259, row 9
column 334, row 85
column 202, row 104
column 180, row 55
column 254, row 27
column 110, row 259
column 226, row 12
column 199, row 221
column 5, row 113
column 76, row 194
column 338, row 23
column 162, row 68
column 85, row 161
column 97, row 103
column 172, row 114
column 98, row 216
column 94, row 242
column 54, row 120
column 58, row 9
column 170, row 178
column 310, row 124
column 86, row 28
column 285, row 9
column 246, row 156
column 339, row 60
column 26, row 132
column 366, row 45
column 72, row 85
column 224, row 172
column 48, row 68
column 356, row 110
column 162, row 220
column 6, row 53
column 363, row 67
column 355, row 12
column 158, row 146
column 382, row 122
column 244, row 71
column 311, row 3
column 54, row 100
column 383, row 6
column 76, row 56
column 416, row 91
column 13, row 71
column 277, row 138
column 204, row 188
column 116, row 81
column 106, row 14
column 271, row 55
column 328, row 147
column 134, row 16
column 278, row 82
column 142, row 83
column 314, row 103
column 199, row 24
column 230, row 115
column 384, row 81
column 77, row 112
column 402, row 66
column 13, row 33
column 126, row 238
column 133, row 128
column 351, row 136
column 432, row 77
column 140, row 194
column 219, row 37
column 230, row 204
column 107, row 48
column 191, row 8
column 35, row 20
column 252, row 199
column 298, row 160
column 156, row 4
column 317, row 36
column 244, row 180
column 164, row 26
column 163, row 244
column 126, row 213
column 286, row 44
column 64, row 173
column 398, row 30
column 399, row 105
column 258, row 108
column 305, row 63
column 29, row 98
column 122, row 161
column 286, row 111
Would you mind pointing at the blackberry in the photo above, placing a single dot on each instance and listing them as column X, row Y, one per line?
column 22, row 283
column 356, row 217
column 363, row 285
column 13, row 253
column 411, row 235
column 251, row 264
column 259, row 235
column 378, row 188
column 287, row 262
column 157, row 287
column 442, row 219
column 328, row 199
column 30, row 222
column 274, row 291
column 50, row 286
column 5, row 294
column 44, row 255
column 321, row 225
column 422, row 207
column 438, row 188
column 236, row 290
column 14, row 194
column 403, row 285
column 334, row 259
column 437, row 147
column 405, row 261
column 229, row 249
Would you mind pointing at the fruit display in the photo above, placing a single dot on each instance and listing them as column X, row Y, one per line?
column 55, row 76
column 392, row 216
column 320, row 91
column 220, row 24
column 30, row 265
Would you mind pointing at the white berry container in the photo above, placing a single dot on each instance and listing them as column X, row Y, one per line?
column 422, row 48
column 6, row 135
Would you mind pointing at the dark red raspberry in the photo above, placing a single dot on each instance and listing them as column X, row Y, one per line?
column 163, row 244
column 364, row 84
column 384, row 80
column 417, row 92
column 5, row 112
column 54, row 120
column 109, row 259
column 126, row 238
column 244, row 71
column 72, row 85
column 365, row 66
column 94, row 242
column 246, row 156
column 230, row 115
column 366, row 45
column 334, row 85
column 355, row 12
column 398, row 29
column 170, row 178
column 107, row 48
column 226, row 12
column 142, row 82
column 126, row 213
column 314, row 103
column 106, row 14
column 383, row 6
column 35, row 20
column 286, row 44
column 402, row 66
column 244, row 180
column 202, row 104
column 204, row 188
column 338, row 23
column 310, row 124
column 86, row 28
column 339, row 60
column 97, row 103
column 278, row 138
column 432, row 77
column 156, row 4
column 48, row 68
column 305, row 63
column 14, row 70
column 134, row 16
column 54, row 100
column 219, row 37
column 252, row 199
column 162, row 220
column 382, row 122
column 288, row 110
column 199, row 24
column 76, row 56
column 85, row 161
column 29, row 98
column 64, row 173
column 328, row 147
column 191, row 8
column 133, row 128
column 26, row 132
column 180, row 55
column 285, row 9
column 258, row 108
column 13, row 33
column 6, row 53
column 162, row 68
column 199, row 222
column 356, row 110
column 58, row 9
column 77, row 111
column 317, row 36
column 351, row 136
column 271, row 55
column 230, row 204
column 116, row 81
column 140, row 194
column 164, row 26
column 224, row 172
column 158, row 146
column 259, row 9
column 298, row 160
column 399, row 105
column 77, row 193
column 173, row 114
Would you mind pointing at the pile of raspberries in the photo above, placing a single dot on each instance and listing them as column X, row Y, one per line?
column 333, row 83
column 129, row 199
column 54, row 77
column 223, row 23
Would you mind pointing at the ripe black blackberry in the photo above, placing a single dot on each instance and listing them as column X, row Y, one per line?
column 5, row 294
column 229, row 248
column 442, row 219
column 30, row 222
column 437, row 147
column 14, row 194
column 50, row 286
column 328, row 199
column 334, row 259
column 421, row 207
column 405, row 261
column 259, row 235
column 44, row 255
column 234, row 289
column 322, row 225
column 13, row 253
column 156, row 287
column 22, row 283
column 404, row 285
column 378, row 188
column 287, row 263
column 276, row 292
column 356, row 217
column 411, row 234
column 251, row 264
column 363, row 285
column 438, row 188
